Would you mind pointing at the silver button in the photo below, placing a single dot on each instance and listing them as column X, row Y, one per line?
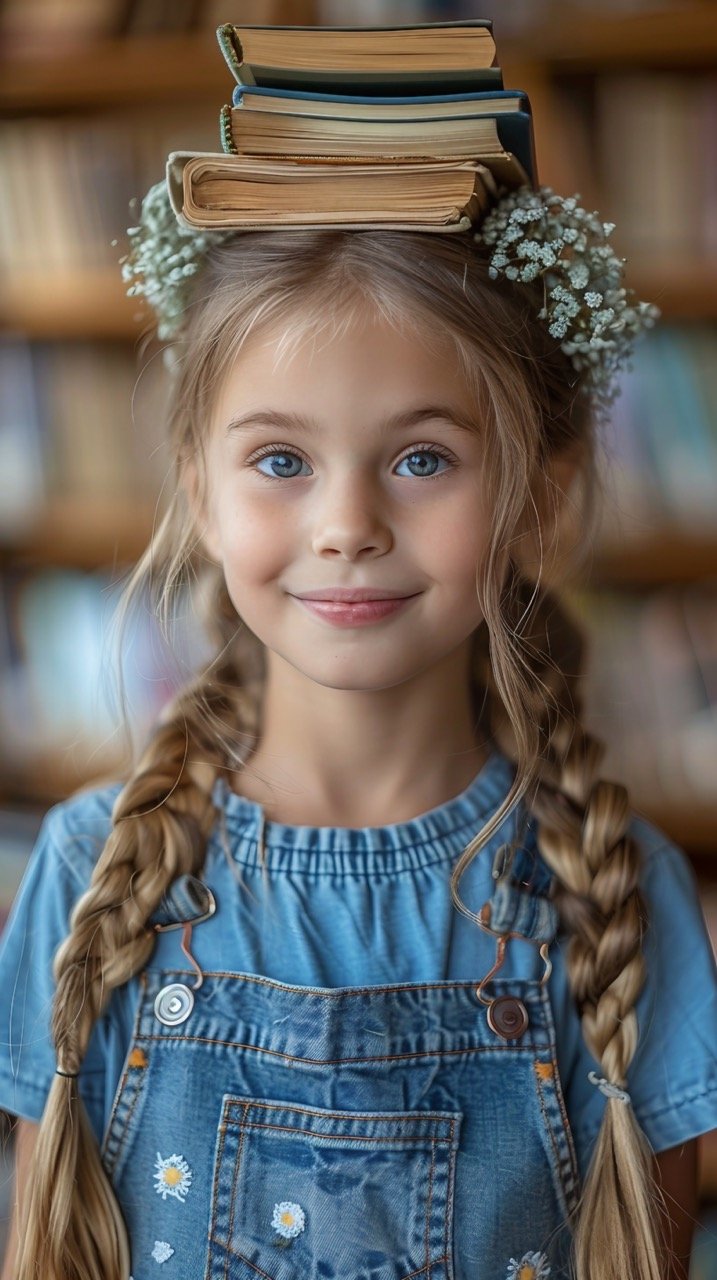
column 174, row 1004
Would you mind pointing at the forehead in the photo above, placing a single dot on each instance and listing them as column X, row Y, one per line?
column 317, row 356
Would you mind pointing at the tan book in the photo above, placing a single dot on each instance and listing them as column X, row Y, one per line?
column 213, row 190
column 251, row 132
column 328, row 106
column 253, row 51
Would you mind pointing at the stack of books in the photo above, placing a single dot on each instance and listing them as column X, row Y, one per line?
column 407, row 126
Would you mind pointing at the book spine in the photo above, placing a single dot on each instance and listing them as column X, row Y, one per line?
column 225, row 131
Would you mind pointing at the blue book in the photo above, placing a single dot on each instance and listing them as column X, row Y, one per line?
column 514, row 128
column 375, row 100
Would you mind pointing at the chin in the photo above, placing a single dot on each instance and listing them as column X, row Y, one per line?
column 356, row 675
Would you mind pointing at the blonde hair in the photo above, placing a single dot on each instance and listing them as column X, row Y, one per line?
column 526, row 666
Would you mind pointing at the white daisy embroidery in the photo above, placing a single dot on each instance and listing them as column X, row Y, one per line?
column 532, row 1266
column 173, row 1177
column 162, row 1251
column 288, row 1219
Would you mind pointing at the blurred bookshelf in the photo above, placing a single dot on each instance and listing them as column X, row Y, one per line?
column 624, row 99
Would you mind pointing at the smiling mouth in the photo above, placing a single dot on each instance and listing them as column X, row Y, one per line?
column 359, row 596
column 351, row 614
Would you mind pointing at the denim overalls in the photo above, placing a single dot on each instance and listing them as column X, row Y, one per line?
column 350, row 1133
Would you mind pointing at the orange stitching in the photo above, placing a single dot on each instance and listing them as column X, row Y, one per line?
column 237, row 1163
column 396, row 1117
column 242, row 1258
column 217, row 1167
column 531, row 986
column 122, row 1136
column 336, row 1137
column 428, row 1209
column 449, row 1197
column 549, row 1127
column 421, row 1270
column 136, row 1021
column 572, row 1156
column 386, row 1057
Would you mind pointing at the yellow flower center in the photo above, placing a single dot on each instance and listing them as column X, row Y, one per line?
column 527, row 1272
column 287, row 1217
column 172, row 1176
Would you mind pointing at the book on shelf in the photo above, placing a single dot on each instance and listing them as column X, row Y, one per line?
column 67, row 184
column 19, row 829
column 57, row 663
column 402, row 55
column 661, row 445
column 80, row 426
column 651, row 689
column 654, row 132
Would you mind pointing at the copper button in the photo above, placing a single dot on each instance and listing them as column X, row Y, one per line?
column 508, row 1017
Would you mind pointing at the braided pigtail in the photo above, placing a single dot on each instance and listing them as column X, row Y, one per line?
column 72, row 1227
column 582, row 834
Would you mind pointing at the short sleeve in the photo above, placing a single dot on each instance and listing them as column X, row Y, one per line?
column 58, row 872
column 672, row 1079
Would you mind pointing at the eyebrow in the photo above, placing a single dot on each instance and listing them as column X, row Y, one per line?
column 399, row 421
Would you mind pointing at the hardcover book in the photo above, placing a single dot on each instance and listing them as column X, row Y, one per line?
column 226, row 191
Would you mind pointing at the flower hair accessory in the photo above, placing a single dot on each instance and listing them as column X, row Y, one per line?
column 539, row 233
column 532, row 232
column 163, row 257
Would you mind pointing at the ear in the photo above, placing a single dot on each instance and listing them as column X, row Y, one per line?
column 196, row 500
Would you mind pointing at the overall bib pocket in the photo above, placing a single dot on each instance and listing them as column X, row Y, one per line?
column 308, row 1193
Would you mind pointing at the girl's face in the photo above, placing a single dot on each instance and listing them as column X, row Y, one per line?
column 348, row 467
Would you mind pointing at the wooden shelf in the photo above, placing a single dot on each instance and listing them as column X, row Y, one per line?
column 93, row 304
column 85, row 534
column 671, row 38
column 684, row 289
column 137, row 69
column 667, row 556
column 47, row 779
column 690, row 824
column 145, row 69
column 51, row 777
column 82, row 534
column 86, row 304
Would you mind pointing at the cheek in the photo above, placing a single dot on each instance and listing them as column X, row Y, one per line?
column 257, row 538
column 455, row 541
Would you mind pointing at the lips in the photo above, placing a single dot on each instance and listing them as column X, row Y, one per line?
column 343, row 613
column 352, row 595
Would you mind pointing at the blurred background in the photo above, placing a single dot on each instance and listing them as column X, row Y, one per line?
column 93, row 95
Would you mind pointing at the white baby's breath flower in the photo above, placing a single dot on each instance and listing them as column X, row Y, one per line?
column 163, row 256
column 539, row 233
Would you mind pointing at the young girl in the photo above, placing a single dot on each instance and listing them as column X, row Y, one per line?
column 365, row 972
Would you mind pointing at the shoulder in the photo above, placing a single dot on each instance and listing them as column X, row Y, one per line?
column 668, row 881
column 653, row 842
column 74, row 831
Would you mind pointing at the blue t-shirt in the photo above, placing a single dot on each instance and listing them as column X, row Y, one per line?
column 353, row 906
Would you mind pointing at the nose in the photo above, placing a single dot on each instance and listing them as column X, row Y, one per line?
column 351, row 518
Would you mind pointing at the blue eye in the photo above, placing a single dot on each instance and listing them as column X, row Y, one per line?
column 280, row 461
column 285, row 460
column 424, row 453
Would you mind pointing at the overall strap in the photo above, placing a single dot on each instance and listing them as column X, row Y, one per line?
column 521, row 901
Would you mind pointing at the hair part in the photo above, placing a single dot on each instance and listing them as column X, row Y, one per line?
column 527, row 656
